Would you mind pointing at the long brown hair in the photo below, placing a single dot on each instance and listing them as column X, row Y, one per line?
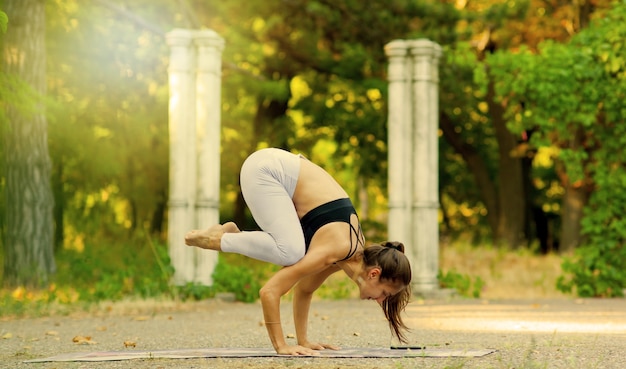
column 395, row 267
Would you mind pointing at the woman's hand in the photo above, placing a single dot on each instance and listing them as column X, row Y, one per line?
column 320, row 346
column 296, row 351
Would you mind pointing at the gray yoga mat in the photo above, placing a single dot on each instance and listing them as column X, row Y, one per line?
column 262, row 352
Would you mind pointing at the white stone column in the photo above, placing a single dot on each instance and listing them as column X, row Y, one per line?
column 399, row 136
column 209, row 46
column 413, row 156
column 182, row 142
column 425, row 176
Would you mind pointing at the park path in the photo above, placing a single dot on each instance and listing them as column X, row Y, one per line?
column 567, row 333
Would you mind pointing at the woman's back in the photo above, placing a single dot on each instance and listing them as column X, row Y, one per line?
column 315, row 187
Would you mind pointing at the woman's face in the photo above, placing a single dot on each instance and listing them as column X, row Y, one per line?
column 371, row 287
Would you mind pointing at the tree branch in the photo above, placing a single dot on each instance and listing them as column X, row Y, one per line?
column 132, row 17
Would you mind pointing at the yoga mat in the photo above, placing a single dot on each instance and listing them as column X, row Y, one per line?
column 260, row 352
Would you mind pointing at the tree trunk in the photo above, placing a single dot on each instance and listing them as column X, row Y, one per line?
column 573, row 202
column 29, row 237
column 511, row 193
column 59, row 206
column 575, row 198
column 158, row 215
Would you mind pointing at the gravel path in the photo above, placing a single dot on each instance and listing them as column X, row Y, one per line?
column 526, row 334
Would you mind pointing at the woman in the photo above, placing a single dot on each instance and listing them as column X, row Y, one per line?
column 309, row 226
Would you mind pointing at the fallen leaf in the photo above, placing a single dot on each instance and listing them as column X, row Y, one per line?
column 7, row 335
column 130, row 344
column 356, row 334
column 291, row 335
column 52, row 333
column 83, row 340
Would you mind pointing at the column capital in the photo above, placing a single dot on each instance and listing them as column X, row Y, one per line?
column 425, row 47
column 179, row 37
column 396, row 48
column 208, row 37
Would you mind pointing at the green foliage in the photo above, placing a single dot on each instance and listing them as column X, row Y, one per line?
column 340, row 287
column 561, row 93
column 115, row 271
column 193, row 291
column 4, row 21
column 463, row 284
column 236, row 279
column 599, row 266
column 325, row 60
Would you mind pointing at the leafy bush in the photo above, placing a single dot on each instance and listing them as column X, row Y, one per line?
column 598, row 268
column 463, row 284
column 115, row 271
column 237, row 279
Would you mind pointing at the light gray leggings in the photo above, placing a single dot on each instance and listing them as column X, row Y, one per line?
column 268, row 180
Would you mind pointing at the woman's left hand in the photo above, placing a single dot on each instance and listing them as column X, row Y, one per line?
column 319, row 346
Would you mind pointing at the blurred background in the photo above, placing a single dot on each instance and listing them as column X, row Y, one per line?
column 532, row 128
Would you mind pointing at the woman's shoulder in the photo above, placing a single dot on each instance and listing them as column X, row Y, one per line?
column 334, row 239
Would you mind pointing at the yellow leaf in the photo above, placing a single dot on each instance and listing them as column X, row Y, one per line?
column 83, row 340
column 7, row 335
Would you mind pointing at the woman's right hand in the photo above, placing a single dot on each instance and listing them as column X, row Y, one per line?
column 320, row 346
column 296, row 351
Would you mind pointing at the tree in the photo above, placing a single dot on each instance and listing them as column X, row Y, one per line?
column 571, row 96
column 474, row 121
column 321, row 69
column 28, row 238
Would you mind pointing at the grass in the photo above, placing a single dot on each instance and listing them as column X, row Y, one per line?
column 519, row 274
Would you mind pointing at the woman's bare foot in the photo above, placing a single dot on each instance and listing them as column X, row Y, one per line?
column 207, row 238
column 230, row 227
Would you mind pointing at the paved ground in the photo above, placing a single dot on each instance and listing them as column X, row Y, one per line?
column 527, row 334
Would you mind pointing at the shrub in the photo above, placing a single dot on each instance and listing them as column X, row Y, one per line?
column 463, row 284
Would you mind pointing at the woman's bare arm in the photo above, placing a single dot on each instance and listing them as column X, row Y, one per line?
column 303, row 294
column 312, row 263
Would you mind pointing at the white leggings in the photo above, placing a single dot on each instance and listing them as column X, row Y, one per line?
column 268, row 180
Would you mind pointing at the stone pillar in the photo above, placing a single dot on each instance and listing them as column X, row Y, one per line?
column 399, row 136
column 194, row 115
column 425, row 175
column 209, row 46
column 417, row 224
column 182, row 144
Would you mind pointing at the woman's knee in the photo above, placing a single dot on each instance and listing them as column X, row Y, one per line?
column 292, row 256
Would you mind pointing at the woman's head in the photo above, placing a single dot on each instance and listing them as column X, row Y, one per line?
column 388, row 275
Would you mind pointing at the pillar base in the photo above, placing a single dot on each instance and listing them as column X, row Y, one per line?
column 433, row 294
